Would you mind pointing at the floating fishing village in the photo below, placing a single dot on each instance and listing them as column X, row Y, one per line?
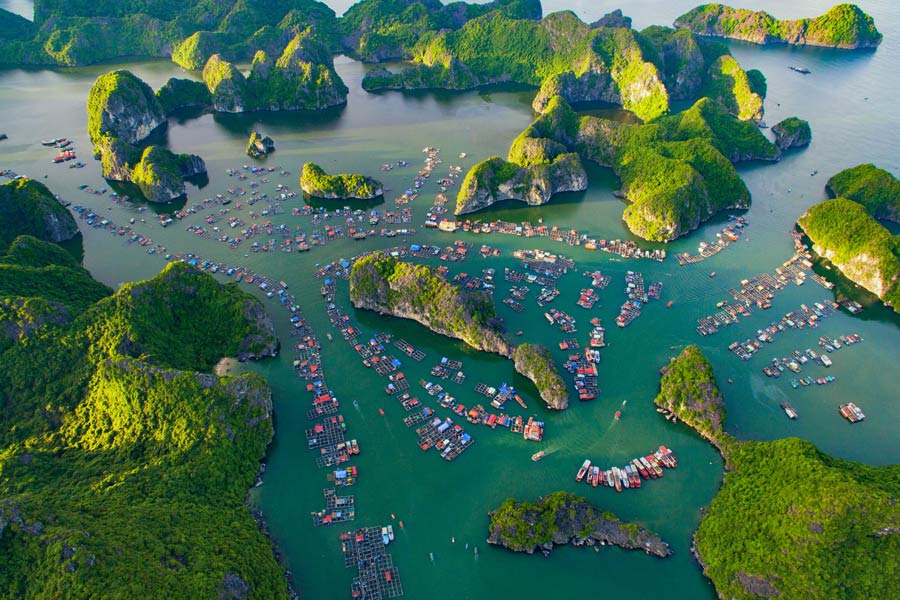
column 446, row 399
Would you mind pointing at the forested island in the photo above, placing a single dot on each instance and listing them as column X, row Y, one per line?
column 876, row 189
column 315, row 182
column 843, row 26
column 191, row 31
column 562, row 518
column 125, row 118
column 676, row 171
column 845, row 229
column 866, row 252
column 402, row 289
column 125, row 461
column 789, row 520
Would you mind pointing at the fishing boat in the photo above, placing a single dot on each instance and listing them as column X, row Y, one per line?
column 713, row 274
column 538, row 455
column 618, row 414
column 669, row 304
column 801, row 70
column 789, row 410
column 583, row 470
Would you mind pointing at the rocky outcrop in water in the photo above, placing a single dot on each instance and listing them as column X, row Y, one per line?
column 562, row 518
column 792, row 133
column 302, row 78
column 259, row 145
column 28, row 207
column 316, row 183
column 122, row 106
column 495, row 179
column 865, row 251
column 843, row 26
column 536, row 363
column 123, row 117
column 388, row 286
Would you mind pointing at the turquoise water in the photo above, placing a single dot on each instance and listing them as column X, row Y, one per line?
column 848, row 100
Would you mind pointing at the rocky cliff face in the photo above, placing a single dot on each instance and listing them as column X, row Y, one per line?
column 259, row 145
column 594, row 85
column 122, row 106
column 160, row 174
column 226, row 84
column 495, row 179
column 263, row 341
column 523, row 527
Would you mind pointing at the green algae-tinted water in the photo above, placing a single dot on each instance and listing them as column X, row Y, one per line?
column 848, row 101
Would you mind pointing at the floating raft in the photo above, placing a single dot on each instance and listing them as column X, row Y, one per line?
column 366, row 550
column 410, row 350
column 338, row 509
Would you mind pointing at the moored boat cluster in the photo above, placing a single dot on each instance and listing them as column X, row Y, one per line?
column 629, row 476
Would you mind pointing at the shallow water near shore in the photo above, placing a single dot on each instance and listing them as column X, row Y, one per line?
column 848, row 99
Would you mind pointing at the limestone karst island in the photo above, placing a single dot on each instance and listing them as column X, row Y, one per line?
column 505, row 299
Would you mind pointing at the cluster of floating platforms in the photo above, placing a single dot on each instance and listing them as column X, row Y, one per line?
column 629, row 476
column 730, row 234
column 366, row 549
column 338, row 509
column 797, row 359
column 584, row 373
column 759, row 291
column 637, row 297
column 449, row 439
column 798, row 319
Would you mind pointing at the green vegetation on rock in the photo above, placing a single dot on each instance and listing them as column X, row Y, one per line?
column 121, row 105
column 844, row 232
column 178, row 94
column 301, row 78
column 843, row 26
column 793, row 522
column 123, row 464
column 792, row 133
column 160, row 173
column 560, row 518
column 123, row 114
column 789, row 521
column 378, row 30
column 124, row 468
column 78, row 32
column 676, row 171
column 259, row 145
column 729, row 85
column 315, row 182
column 536, row 363
column 874, row 188
column 688, row 389
column 389, row 286
column 597, row 64
column 27, row 207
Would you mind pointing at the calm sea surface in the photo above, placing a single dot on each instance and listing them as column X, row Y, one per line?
column 849, row 100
